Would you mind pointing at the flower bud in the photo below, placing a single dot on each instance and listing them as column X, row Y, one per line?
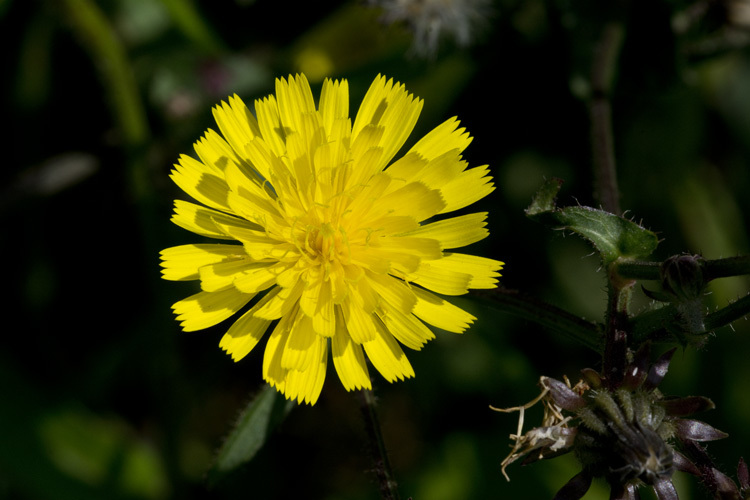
column 682, row 276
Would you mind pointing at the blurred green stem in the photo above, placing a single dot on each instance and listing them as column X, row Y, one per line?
column 98, row 38
column 600, row 110
column 378, row 452
column 187, row 18
column 535, row 310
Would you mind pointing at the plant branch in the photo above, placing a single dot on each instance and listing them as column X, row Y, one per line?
column 618, row 320
column 382, row 466
column 639, row 270
column 723, row 268
column 533, row 309
column 728, row 314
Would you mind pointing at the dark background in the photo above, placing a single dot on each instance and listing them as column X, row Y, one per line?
column 102, row 395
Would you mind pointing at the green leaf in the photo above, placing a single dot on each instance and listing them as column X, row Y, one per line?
column 251, row 432
column 613, row 236
column 544, row 199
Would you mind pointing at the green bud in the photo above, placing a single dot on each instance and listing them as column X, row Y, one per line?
column 682, row 276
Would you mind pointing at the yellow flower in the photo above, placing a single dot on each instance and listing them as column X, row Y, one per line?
column 334, row 246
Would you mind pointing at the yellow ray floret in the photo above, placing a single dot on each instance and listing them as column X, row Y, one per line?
column 327, row 236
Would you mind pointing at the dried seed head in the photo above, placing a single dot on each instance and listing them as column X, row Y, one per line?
column 620, row 428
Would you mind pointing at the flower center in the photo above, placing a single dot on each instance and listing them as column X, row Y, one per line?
column 323, row 244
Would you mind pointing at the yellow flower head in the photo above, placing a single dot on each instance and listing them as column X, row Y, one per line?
column 333, row 241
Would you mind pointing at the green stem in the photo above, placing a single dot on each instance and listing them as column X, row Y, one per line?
column 654, row 325
column 382, row 466
column 533, row 309
column 600, row 111
column 639, row 270
column 726, row 315
column 97, row 37
column 722, row 268
column 616, row 326
column 189, row 20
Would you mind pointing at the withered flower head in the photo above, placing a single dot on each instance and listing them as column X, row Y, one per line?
column 620, row 427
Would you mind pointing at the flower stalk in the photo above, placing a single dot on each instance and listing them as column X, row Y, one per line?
column 378, row 452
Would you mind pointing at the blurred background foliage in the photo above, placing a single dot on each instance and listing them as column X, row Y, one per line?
column 102, row 396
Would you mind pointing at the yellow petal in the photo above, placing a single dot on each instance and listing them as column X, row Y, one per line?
column 366, row 194
column 250, row 200
column 201, row 183
column 407, row 168
column 281, row 305
column 387, row 356
column 290, row 276
column 269, row 121
column 441, row 279
column 469, row 187
column 424, row 245
column 214, row 277
column 299, row 348
column 308, row 302
column 393, row 291
column 256, row 277
column 440, row 313
column 207, row 222
column 406, row 328
column 334, row 102
column 348, row 358
column 236, row 123
column 247, row 331
column 273, row 372
column 268, row 164
column 363, row 295
column 483, row 271
column 324, row 320
column 389, row 225
column 359, row 323
column 441, row 139
column 414, row 199
column 339, row 287
column 305, row 386
column 258, row 245
column 391, row 107
column 182, row 262
column 215, row 152
column 206, row 309
column 401, row 253
column 443, row 169
column 366, row 142
column 295, row 101
column 456, row 231
column 381, row 261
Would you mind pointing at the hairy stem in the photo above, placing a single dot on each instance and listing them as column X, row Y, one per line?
column 638, row 270
column 731, row 266
column 378, row 453
column 617, row 323
column 728, row 314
